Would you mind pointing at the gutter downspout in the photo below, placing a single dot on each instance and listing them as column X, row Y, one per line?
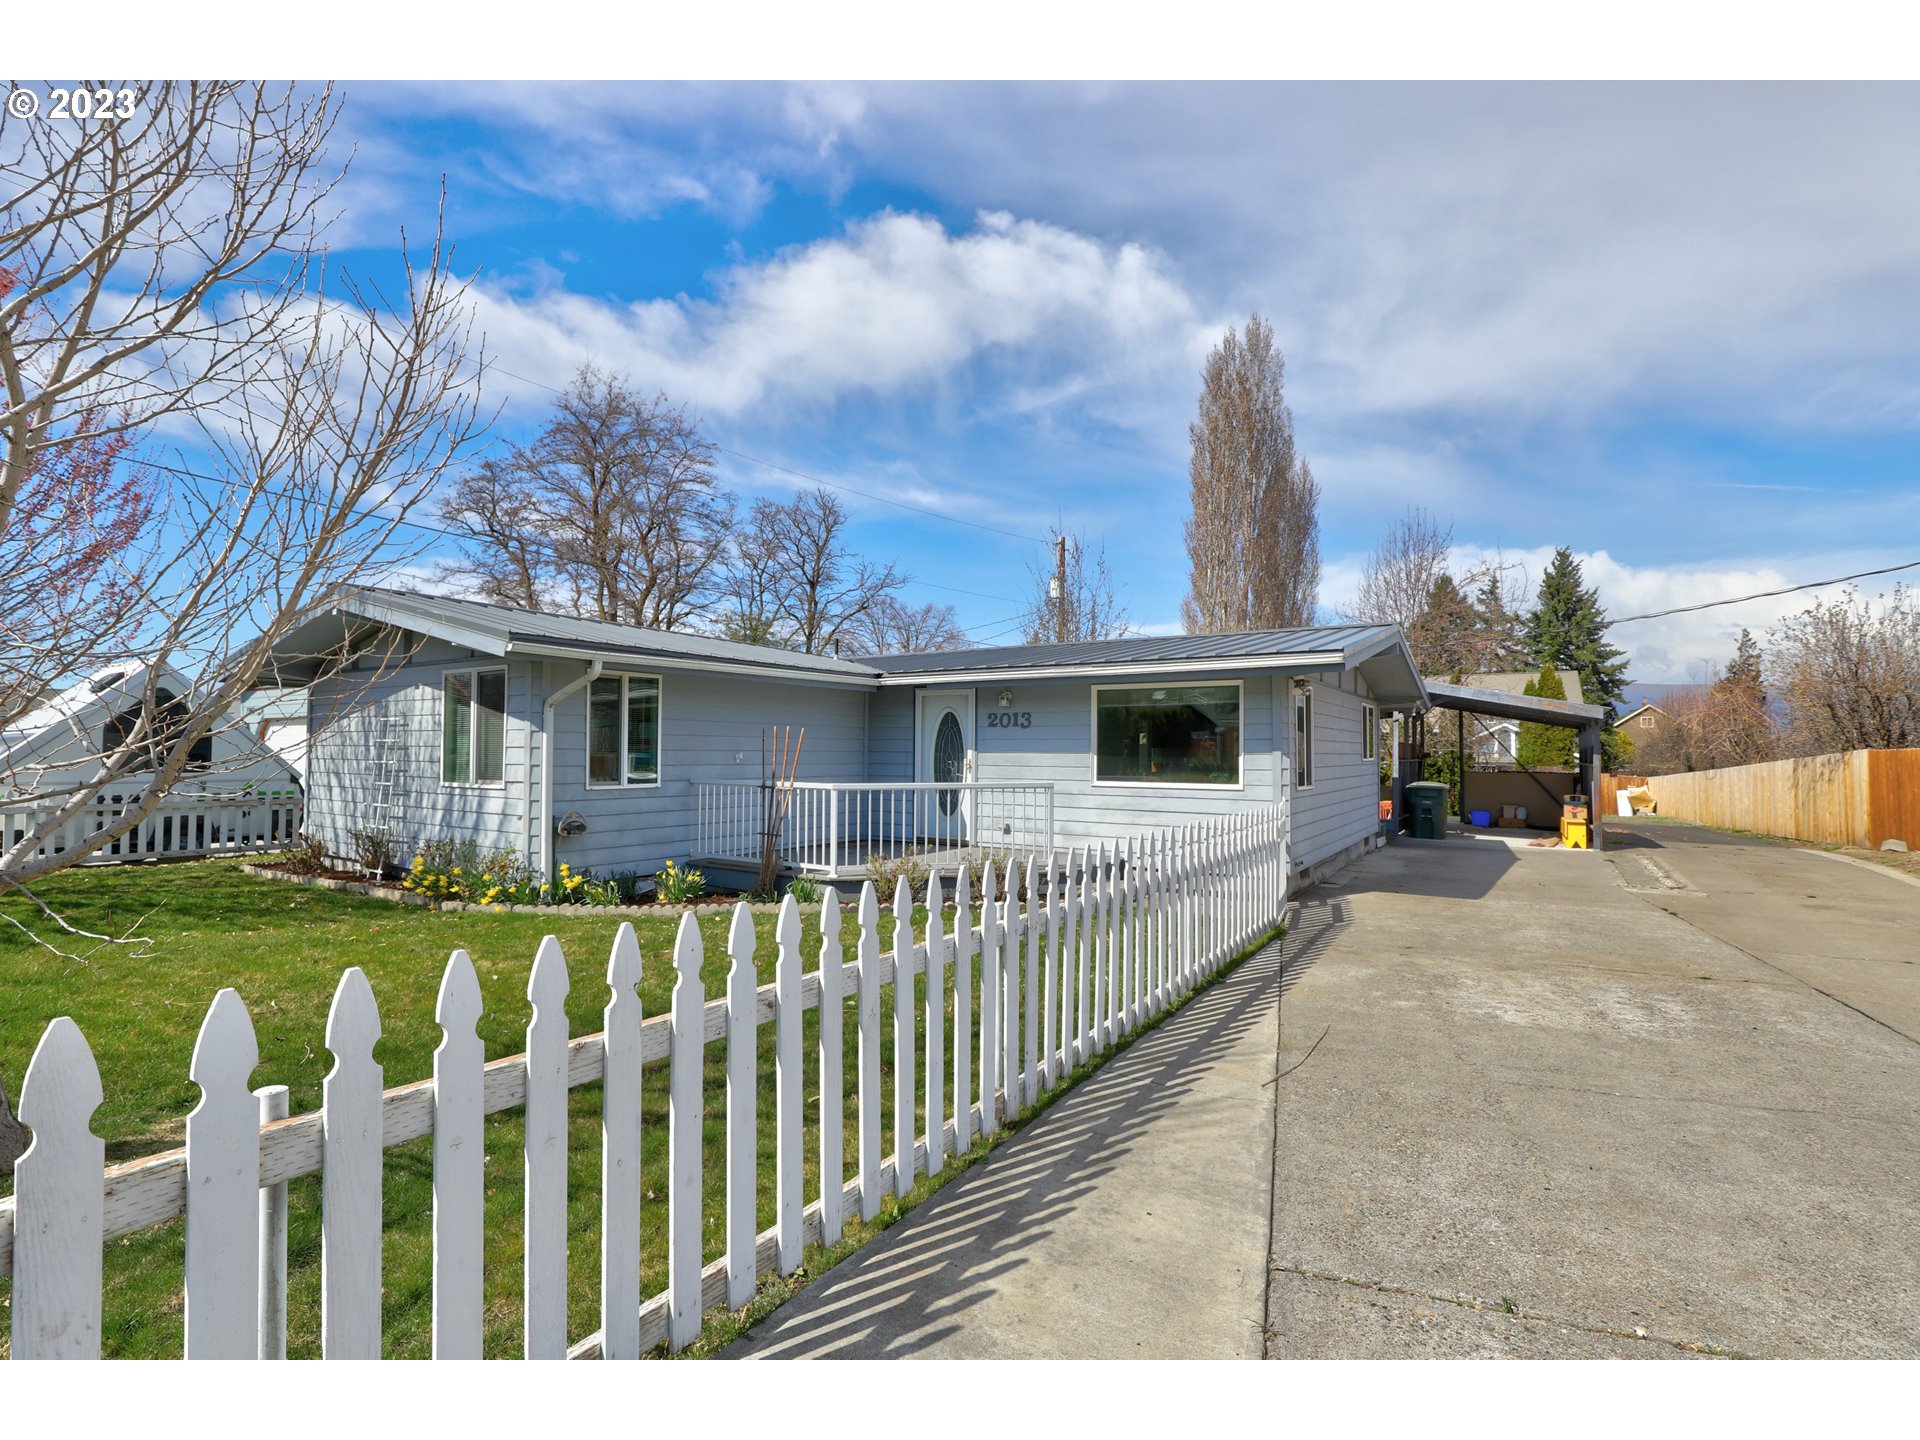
column 546, row 761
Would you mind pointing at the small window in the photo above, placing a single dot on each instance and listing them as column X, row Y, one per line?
column 623, row 731
column 1369, row 732
column 1302, row 739
column 1167, row 734
column 1646, row 722
column 473, row 727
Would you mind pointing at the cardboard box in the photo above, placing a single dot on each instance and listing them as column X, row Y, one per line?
column 1506, row 824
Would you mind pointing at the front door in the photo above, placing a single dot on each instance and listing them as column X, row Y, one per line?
column 946, row 758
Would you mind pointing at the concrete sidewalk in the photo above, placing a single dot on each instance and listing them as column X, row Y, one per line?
column 1130, row 1221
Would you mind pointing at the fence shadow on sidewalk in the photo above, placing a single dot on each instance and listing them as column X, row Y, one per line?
column 907, row 1291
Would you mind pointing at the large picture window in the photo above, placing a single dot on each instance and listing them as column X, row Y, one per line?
column 473, row 727
column 1167, row 734
column 623, row 731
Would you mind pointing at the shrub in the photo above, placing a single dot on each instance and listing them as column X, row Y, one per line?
column 675, row 886
column 886, row 874
column 307, row 855
column 376, row 849
column 461, row 870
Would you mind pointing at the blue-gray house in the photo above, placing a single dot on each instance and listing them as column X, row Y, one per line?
column 618, row 748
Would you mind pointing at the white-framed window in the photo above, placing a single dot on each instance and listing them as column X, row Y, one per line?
column 1175, row 734
column 1303, row 738
column 623, row 730
column 1369, row 732
column 1646, row 721
column 473, row 727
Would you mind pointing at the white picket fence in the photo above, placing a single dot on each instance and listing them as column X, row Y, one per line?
column 180, row 826
column 1069, row 963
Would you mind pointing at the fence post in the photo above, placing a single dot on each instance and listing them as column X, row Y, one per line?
column 789, row 1091
column 833, row 1090
column 742, row 1108
column 60, row 1203
column 1009, row 1066
column 1049, row 932
column 271, row 1315
column 1036, row 954
column 686, row 1113
column 620, row 1153
column 223, row 1188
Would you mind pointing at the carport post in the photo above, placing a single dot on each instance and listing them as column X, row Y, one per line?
column 1460, row 759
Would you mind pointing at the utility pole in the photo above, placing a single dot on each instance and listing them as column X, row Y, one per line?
column 1058, row 590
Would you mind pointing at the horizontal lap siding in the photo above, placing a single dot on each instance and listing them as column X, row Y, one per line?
column 706, row 721
column 356, row 716
column 1058, row 749
column 890, row 738
column 1343, row 806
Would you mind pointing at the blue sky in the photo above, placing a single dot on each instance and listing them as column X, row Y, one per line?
column 1669, row 326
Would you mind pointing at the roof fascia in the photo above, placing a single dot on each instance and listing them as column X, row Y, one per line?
column 678, row 662
column 1218, row 665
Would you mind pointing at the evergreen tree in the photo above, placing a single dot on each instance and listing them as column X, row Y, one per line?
column 1545, row 746
column 1568, row 630
column 1497, row 629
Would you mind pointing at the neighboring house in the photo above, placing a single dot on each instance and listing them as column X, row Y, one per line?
column 1493, row 741
column 278, row 719
column 1645, row 723
column 618, row 748
column 58, row 747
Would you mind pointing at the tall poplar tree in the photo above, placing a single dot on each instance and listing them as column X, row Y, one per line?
column 1253, row 540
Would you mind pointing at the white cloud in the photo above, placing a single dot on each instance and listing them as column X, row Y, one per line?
column 894, row 305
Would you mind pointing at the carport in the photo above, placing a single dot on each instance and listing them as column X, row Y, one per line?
column 1587, row 720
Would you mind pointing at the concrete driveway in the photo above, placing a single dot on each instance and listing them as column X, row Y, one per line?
column 1661, row 1102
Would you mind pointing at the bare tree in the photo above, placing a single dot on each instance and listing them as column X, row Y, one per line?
column 613, row 512
column 1253, row 539
column 894, row 628
column 1848, row 674
column 1402, row 570
column 161, row 280
column 793, row 580
column 1072, row 595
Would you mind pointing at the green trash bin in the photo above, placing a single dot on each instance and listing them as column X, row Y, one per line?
column 1427, row 803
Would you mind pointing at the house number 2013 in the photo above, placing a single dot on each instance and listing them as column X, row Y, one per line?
column 1009, row 719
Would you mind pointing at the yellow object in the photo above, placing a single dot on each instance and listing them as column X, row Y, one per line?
column 1573, row 834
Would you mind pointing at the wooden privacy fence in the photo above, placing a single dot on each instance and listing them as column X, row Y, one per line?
column 1858, row 797
column 1072, row 959
column 180, row 826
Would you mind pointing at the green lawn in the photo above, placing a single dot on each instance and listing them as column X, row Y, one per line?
column 283, row 948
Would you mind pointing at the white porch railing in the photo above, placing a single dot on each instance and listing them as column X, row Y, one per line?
column 833, row 829
column 180, row 826
column 1058, row 962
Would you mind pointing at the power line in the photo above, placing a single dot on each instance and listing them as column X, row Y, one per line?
column 1764, row 594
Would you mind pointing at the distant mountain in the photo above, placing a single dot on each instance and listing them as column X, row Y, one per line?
column 1642, row 694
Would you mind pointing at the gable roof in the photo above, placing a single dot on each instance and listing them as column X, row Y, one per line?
column 1376, row 650
column 1643, row 705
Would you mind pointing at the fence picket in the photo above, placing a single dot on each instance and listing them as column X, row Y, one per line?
column 685, row 1116
column 620, row 1152
column 833, row 1092
column 742, row 1107
column 936, row 1024
column 868, row 1102
column 1009, row 1064
column 223, row 1188
column 1073, row 1033
column 989, row 996
column 59, row 1201
column 903, row 1018
column 459, row 1165
column 962, row 1016
column 544, row 1157
column 350, row 1184
column 1050, row 976
column 789, row 1087
column 1030, row 1011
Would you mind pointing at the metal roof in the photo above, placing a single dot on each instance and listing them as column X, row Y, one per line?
column 500, row 628
column 1478, row 700
column 1515, row 682
column 1327, row 641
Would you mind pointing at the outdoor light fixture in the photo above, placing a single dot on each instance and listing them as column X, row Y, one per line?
column 1300, row 682
column 1006, row 699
